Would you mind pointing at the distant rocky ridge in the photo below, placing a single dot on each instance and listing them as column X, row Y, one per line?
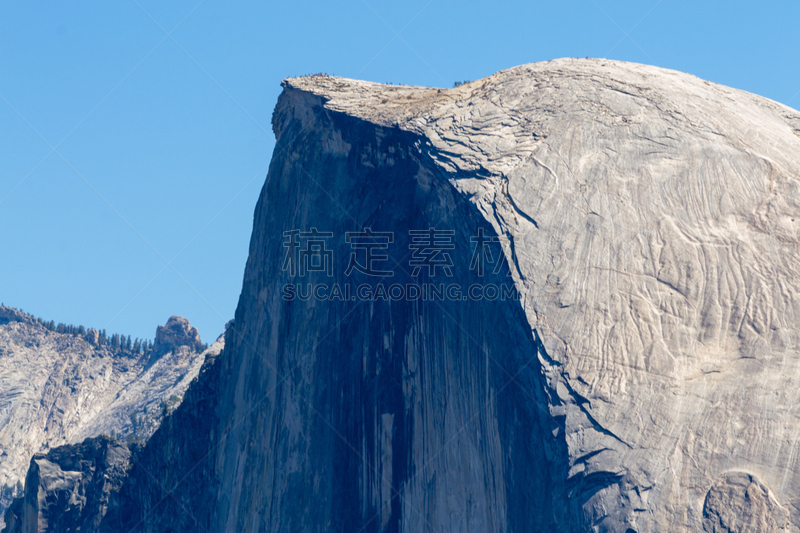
column 82, row 487
column 9, row 314
column 59, row 388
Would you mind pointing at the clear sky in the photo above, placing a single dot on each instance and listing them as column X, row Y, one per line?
column 135, row 134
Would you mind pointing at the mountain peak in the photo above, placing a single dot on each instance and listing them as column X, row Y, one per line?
column 175, row 333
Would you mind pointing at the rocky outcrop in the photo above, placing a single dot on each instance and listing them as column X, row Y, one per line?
column 92, row 336
column 9, row 314
column 67, row 489
column 645, row 380
column 58, row 389
column 175, row 333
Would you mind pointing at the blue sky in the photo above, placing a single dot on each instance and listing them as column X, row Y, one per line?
column 135, row 135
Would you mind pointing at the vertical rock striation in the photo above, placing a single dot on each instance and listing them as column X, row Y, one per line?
column 383, row 415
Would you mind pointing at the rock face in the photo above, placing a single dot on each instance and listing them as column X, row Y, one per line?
column 172, row 482
column 175, row 333
column 68, row 488
column 646, row 380
column 740, row 502
column 58, row 389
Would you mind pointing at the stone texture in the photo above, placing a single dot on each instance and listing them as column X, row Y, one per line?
column 67, row 489
column 175, row 333
column 653, row 225
column 9, row 314
column 92, row 336
column 156, row 391
column 648, row 379
column 738, row 502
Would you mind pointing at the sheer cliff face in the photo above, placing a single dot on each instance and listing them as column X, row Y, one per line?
column 648, row 378
column 653, row 223
column 381, row 415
